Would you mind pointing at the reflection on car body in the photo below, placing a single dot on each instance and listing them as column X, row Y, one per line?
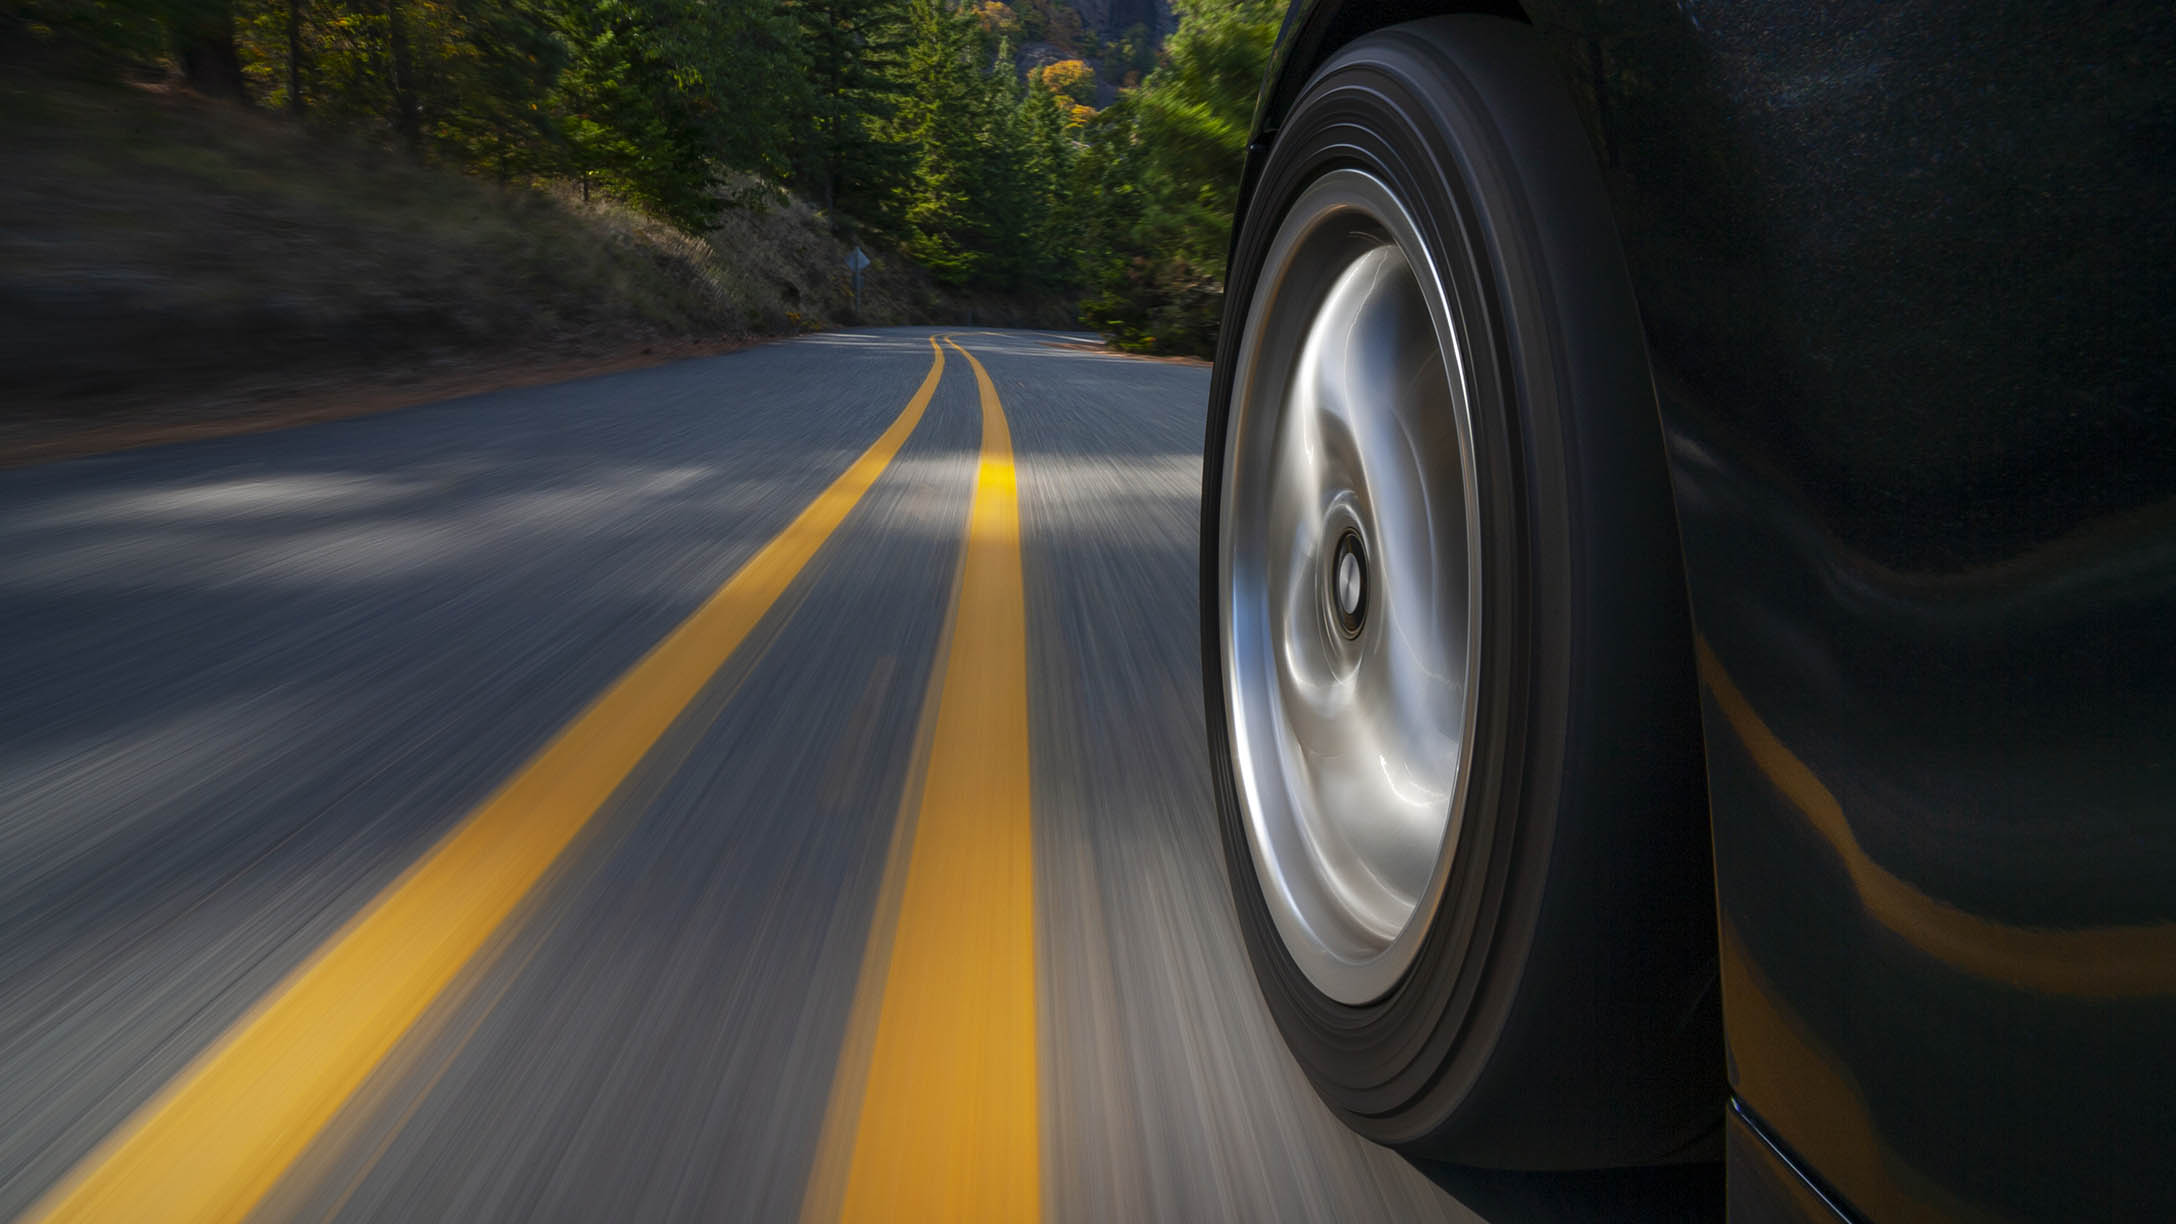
column 1903, row 280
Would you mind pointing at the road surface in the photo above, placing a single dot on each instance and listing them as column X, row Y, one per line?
column 763, row 787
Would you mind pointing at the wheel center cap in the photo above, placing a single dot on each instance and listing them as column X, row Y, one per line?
column 1349, row 584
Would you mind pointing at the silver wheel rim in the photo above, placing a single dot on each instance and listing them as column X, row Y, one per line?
column 1348, row 562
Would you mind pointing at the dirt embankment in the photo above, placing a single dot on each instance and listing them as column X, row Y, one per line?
column 165, row 260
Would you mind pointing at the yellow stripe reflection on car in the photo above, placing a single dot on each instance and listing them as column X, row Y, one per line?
column 2088, row 962
column 212, row 1143
column 948, row 1113
column 1807, row 1093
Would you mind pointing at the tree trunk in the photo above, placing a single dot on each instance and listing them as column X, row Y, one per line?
column 294, row 57
column 407, row 117
column 204, row 43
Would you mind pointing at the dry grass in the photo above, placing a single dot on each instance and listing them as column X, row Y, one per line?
column 155, row 246
column 786, row 268
column 153, row 242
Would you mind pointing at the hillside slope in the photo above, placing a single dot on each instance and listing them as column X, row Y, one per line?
column 155, row 245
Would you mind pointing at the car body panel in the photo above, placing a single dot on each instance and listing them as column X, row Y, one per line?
column 1764, row 1185
column 1906, row 277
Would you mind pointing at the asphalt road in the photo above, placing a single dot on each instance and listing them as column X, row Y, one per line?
column 766, row 787
column 251, row 687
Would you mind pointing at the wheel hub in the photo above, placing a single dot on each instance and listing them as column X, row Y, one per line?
column 1348, row 585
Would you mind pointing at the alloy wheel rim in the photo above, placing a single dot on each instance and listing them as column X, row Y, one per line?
column 1349, row 585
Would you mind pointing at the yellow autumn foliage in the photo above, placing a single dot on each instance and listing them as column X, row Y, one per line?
column 1071, row 79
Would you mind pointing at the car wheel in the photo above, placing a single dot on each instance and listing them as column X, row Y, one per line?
column 1449, row 671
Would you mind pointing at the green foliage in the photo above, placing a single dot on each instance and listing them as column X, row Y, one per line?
column 1051, row 232
column 846, row 155
column 1053, row 21
column 990, row 155
column 1133, row 55
column 132, row 33
column 1167, row 160
column 658, row 95
column 939, row 121
column 907, row 121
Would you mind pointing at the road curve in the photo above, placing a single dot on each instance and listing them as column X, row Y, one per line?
column 255, row 692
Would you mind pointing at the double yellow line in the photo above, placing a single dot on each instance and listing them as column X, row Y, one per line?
column 934, row 1109
column 945, row 1125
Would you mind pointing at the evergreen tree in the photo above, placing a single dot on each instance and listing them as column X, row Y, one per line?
column 908, row 120
column 938, row 119
column 1052, row 230
column 1004, row 205
column 846, row 156
column 660, row 96
column 498, row 61
column 1167, row 164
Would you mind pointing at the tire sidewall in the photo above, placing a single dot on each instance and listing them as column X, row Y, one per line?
column 1540, row 345
column 1429, row 1036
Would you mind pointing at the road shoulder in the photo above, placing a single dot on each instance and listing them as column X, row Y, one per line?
column 283, row 402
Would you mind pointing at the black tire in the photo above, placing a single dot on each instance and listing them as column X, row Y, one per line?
column 1561, row 1011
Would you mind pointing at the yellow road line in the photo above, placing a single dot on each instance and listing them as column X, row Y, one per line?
column 2114, row 962
column 948, row 1115
column 825, row 1193
column 212, row 1143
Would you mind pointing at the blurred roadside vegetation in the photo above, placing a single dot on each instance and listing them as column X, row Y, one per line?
column 156, row 245
column 191, row 183
column 1162, row 164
